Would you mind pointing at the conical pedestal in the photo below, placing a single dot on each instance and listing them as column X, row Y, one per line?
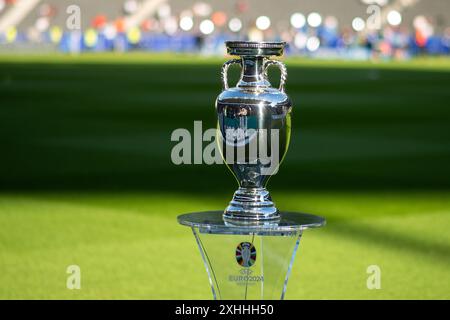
column 249, row 261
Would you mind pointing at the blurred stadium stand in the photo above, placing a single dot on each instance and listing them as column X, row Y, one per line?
column 320, row 28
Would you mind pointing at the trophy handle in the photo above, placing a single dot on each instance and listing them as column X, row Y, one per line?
column 282, row 68
column 225, row 67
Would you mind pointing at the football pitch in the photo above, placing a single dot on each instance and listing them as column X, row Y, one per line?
column 86, row 176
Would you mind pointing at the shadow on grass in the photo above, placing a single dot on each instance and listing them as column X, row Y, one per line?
column 108, row 127
column 386, row 239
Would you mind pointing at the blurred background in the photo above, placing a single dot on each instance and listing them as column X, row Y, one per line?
column 357, row 29
column 90, row 92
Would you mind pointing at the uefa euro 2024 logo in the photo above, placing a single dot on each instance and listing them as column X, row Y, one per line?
column 246, row 254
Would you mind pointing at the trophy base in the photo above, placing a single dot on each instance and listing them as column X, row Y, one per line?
column 250, row 205
column 248, row 261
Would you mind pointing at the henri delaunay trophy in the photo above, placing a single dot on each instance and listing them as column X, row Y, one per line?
column 248, row 248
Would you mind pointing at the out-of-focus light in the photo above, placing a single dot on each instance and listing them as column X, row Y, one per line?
column 134, row 35
column 235, row 25
column 110, row 32
column 312, row 44
column 164, row 11
column 170, row 25
column 42, row 24
column 255, row 34
column 207, row 27
column 314, row 19
column 186, row 23
column 55, row 34
column 263, row 23
column 130, row 6
column 419, row 22
column 394, row 18
column 219, row 18
column 202, row 9
column 358, row 24
column 300, row 40
column 2, row 4
column 378, row 2
column 298, row 20
column 90, row 38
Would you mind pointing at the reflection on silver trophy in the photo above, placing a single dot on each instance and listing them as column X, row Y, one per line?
column 254, row 128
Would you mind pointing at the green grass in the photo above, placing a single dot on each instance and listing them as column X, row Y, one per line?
column 86, row 177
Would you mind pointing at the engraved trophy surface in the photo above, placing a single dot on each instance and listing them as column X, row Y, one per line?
column 255, row 125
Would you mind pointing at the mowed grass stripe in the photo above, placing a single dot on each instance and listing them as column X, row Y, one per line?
column 86, row 176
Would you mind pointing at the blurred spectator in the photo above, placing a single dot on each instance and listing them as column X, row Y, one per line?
column 201, row 27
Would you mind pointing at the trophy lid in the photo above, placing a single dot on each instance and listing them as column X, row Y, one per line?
column 253, row 48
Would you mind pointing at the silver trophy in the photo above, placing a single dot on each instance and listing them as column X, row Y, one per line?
column 248, row 249
column 260, row 118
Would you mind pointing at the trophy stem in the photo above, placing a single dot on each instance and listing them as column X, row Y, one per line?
column 250, row 205
column 253, row 73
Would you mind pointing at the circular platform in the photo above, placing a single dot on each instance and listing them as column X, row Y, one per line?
column 290, row 223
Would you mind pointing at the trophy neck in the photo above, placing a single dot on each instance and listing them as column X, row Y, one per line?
column 253, row 73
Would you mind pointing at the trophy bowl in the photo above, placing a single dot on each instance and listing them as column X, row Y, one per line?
column 254, row 124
